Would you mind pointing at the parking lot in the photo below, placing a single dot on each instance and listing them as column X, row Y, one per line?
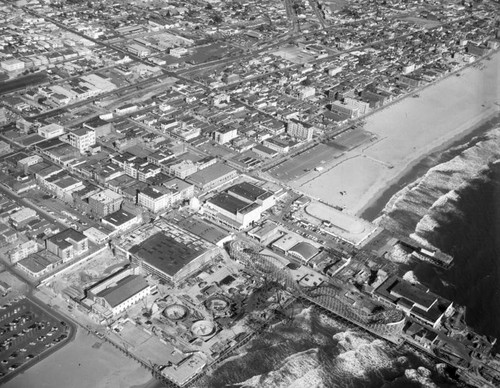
column 26, row 332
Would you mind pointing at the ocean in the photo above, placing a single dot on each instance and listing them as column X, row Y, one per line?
column 450, row 200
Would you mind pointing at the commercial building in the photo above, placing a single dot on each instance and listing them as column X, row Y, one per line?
column 105, row 202
column 213, row 176
column 23, row 216
column 68, row 244
column 264, row 233
column 415, row 301
column 232, row 212
column 51, row 130
column 250, row 192
column 121, row 220
column 37, row 265
column 347, row 111
column 117, row 293
column 225, row 135
column 12, row 64
column 155, row 199
column 82, row 139
column 171, row 259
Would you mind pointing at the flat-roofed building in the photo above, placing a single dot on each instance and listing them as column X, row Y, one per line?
column 267, row 232
column 51, row 130
column 23, row 250
column 155, row 199
column 23, row 216
column 105, row 202
column 68, row 244
column 82, row 139
column 232, row 212
column 225, row 135
column 205, row 230
column 213, row 176
column 171, row 259
column 37, row 265
column 414, row 300
column 250, row 192
column 300, row 130
column 12, row 64
column 121, row 220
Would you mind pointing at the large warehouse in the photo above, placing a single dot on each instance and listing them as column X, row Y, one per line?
column 240, row 206
column 170, row 259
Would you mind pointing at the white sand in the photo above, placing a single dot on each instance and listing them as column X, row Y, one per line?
column 407, row 131
column 78, row 365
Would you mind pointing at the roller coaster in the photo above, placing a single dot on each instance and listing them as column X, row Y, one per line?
column 383, row 321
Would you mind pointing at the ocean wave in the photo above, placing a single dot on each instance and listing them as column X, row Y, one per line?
column 418, row 208
column 411, row 277
column 360, row 355
column 299, row 370
column 422, row 376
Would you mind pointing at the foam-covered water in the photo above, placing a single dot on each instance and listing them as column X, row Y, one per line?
column 455, row 206
column 315, row 351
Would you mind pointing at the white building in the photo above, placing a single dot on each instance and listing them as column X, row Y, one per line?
column 81, row 138
column 116, row 294
column 51, row 130
column 155, row 199
column 12, row 64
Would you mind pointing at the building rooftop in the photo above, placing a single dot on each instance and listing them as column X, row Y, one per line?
column 228, row 202
column 249, row 191
column 119, row 218
column 209, row 232
column 124, row 289
column 70, row 233
column 305, row 250
column 165, row 253
column 211, row 173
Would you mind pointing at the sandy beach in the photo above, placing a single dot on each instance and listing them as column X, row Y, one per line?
column 80, row 365
column 406, row 132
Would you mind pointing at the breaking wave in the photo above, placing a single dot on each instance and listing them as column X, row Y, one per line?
column 419, row 208
column 316, row 350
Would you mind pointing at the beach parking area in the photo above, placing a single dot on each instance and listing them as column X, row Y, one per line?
column 406, row 132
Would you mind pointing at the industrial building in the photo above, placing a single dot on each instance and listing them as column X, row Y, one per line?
column 172, row 258
column 117, row 293
column 415, row 301
column 212, row 177
column 240, row 206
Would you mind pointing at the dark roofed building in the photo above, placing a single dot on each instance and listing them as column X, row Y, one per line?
column 213, row 176
column 164, row 256
column 67, row 244
column 124, row 293
column 304, row 251
column 120, row 220
column 228, row 202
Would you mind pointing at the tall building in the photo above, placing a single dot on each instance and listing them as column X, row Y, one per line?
column 81, row 138
column 300, row 130
column 105, row 202
column 155, row 199
column 225, row 135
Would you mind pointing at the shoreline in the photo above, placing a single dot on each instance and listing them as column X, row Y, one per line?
column 408, row 132
column 414, row 171
column 84, row 362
